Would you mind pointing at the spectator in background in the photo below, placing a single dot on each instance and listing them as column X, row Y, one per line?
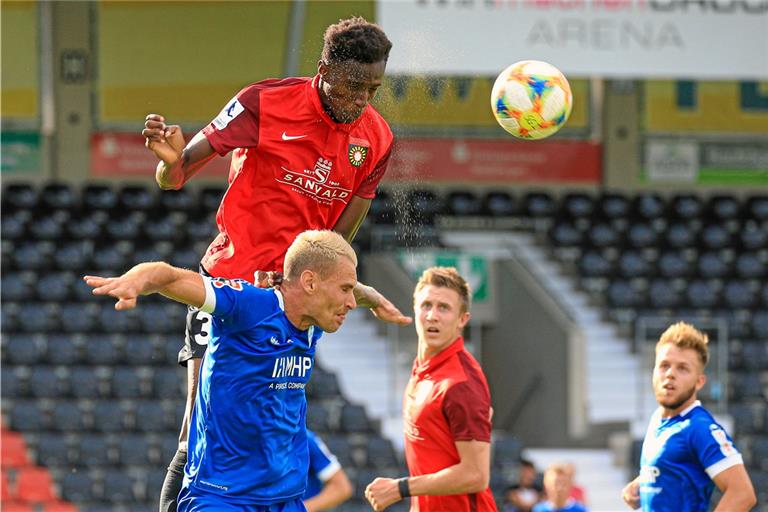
column 577, row 492
column 522, row 496
column 327, row 483
column 557, row 488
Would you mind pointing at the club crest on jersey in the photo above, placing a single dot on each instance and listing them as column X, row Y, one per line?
column 357, row 154
column 322, row 169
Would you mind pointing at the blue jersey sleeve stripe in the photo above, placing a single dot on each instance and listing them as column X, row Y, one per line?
column 210, row 297
column 328, row 471
column 718, row 467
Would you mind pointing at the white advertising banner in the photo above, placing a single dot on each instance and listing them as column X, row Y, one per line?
column 690, row 39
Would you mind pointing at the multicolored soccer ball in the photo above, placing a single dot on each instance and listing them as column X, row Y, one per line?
column 531, row 99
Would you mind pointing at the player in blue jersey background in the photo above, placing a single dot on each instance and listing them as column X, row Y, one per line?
column 248, row 440
column 327, row 483
column 685, row 451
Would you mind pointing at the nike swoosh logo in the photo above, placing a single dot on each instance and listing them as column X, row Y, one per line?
column 292, row 137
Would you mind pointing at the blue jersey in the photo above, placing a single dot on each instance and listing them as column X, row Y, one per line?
column 570, row 506
column 322, row 465
column 247, row 439
column 680, row 457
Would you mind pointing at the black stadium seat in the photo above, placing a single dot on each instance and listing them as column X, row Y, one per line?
column 500, row 204
column 463, row 203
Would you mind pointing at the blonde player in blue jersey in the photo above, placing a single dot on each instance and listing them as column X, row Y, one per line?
column 248, row 440
column 686, row 452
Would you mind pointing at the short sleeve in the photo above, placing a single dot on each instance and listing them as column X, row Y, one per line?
column 367, row 188
column 321, row 461
column 237, row 125
column 714, row 448
column 236, row 304
column 467, row 408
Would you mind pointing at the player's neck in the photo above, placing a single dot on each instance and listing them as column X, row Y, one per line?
column 671, row 413
column 294, row 311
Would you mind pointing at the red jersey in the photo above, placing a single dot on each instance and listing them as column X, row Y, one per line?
column 293, row 169
column 447, row 400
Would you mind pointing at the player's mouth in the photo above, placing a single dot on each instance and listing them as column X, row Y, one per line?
column 668, row 387
column 433, row 330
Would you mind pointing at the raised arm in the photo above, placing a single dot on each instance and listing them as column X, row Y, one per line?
column 470, row 475
column 177, row 284
column 177, row 163
column 738, row 493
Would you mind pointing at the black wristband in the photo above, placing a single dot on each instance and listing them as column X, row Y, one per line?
column 403, row 487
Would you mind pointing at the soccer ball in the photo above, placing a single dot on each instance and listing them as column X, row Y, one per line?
column 531, row 99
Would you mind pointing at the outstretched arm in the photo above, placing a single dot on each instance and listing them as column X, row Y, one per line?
column 177, row 163
column 147, row 278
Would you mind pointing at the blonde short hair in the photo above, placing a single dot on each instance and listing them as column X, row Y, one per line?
column 446, row 277
column 318, row 251
column 683, row 335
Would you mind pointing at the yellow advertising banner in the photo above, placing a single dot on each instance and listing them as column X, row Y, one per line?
column 20, row 76
column 706, row 107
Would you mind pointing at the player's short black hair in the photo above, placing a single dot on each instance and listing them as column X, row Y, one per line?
column 355, row 39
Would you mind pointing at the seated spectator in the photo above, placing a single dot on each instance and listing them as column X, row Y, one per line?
column 577, row 491
column 522, row 496
column 557, row 488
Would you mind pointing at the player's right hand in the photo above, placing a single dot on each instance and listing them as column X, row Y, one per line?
column 165, row 141
column 631, row 494
column 123, row 288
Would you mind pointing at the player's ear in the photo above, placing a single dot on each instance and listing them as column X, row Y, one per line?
column 322, row 68
column 701, row 381
column 464, row 318
column 308, row 281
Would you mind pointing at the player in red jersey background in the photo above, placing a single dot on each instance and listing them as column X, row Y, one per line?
column 446, row 409
column 307, row 153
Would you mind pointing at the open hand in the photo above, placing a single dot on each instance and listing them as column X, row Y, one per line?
column 387, row 312
column 125, row 289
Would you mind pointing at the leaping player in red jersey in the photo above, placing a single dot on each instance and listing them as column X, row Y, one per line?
column 307, row 153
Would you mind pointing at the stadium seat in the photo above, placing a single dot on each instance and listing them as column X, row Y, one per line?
column 112, row 321
column 101, row 349
column 463, row 203
column 15, row 225
column 99, row 197
column 108, row 416
column 86, row 226
column 132, row 382
column 138, row 349
column 39, row 317
column 354, row 419
column 89, row 382
column 751, row 266
column 118, row 487
column 681, row 236
column 95, row 450
column 539, row 204
column 755, row 355
column 702, row 294
column 186, row 257
column 126, row 226
column 18, row 286
column 747, row 385
column 22, row 348
column 13, row 450
column 506, row 450
column 642, row 235
column 621, row 294
column 499, row 204
column 169, row 382
column 48, row 226
column 662, row 294
column 58, row 196
column 739, row 294
column 162, row 317
column 48, row 382
column 380, row 453
column 28, row 416
column 77, row 486
column 757, row 208
column 603, row 235
column 723, row 208
column 62, row 349
column 151, row 416
column 578, row 205
column 34, row 255
column 423, row 206
column 649, row 206
column 323, row 385
column 134, row 450
column 34, row 485
column 168, row 445
column 211, row 196
column 340, row 447
column 55, row 286
column 133, row 197
column 713, row 265
column 15, row 382
column 74, row 256
column 632, row 264
column 53, row 450
column 169, row 227
column 613, row 206
column 673, row 265
column 687, row 207
column 19, row 196
column 753, row 237
column 715, row 236
column 595, row 264
column 69, row 416
column 178, row 200
column 112, row 257
column 565, row 234
column 318, row 417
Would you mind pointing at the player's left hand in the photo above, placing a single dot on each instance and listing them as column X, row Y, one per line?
column 381, row 493
column 387, row 312
column 125, row 289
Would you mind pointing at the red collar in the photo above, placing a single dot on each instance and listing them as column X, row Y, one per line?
column 313, row 92
column 438, row 359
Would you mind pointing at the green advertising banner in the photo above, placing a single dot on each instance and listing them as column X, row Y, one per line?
column 473, row 267
column 20, row 152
